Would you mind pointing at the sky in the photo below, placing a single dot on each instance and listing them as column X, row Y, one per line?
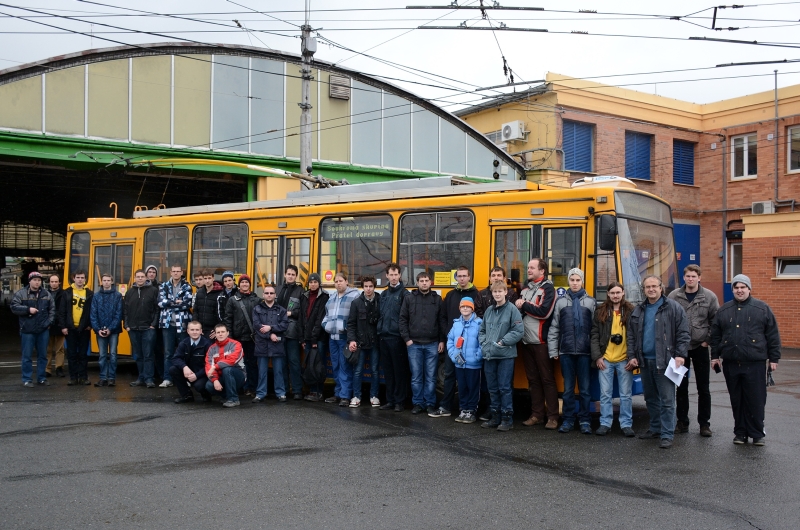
column 627, row 43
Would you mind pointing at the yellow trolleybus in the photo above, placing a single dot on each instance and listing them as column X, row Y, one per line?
column 604, row 225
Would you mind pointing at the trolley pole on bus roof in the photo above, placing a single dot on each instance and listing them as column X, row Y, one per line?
column 308, row 47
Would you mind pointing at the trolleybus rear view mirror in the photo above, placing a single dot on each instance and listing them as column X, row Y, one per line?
column 607, row 232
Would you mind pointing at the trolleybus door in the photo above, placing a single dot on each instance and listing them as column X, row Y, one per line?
column 274, row 252
column 115, row 259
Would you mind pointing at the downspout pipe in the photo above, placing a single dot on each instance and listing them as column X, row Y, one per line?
column 777, row 169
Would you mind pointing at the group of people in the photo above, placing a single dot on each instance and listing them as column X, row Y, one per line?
column 221, row 340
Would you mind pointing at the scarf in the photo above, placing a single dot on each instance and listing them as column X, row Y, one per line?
column 312, row 297
column 576, row 310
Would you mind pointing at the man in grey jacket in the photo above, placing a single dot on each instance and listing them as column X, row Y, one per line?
column 658, row 332
column 701, row 306
column 36, row 311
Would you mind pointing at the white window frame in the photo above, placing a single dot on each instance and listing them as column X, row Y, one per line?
column 745, row 137
column 778, row 263
column 789, row 149
column 731, row 253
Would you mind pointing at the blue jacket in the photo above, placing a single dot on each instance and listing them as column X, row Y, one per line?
column 106, row 311
column 276, row 318
column 21, row 304
column 471, row 350
column 562, row 338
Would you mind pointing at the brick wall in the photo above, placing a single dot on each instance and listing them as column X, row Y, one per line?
column 759, row 262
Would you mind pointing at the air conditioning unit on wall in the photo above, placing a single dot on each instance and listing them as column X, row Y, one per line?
column 762, row 207
column 513, row 130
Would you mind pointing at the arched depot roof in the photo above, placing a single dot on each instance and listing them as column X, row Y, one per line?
column 237, row 102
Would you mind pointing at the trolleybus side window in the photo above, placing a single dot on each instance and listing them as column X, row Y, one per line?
column 116, row 260
column 220, row 248
column 164, row 247
column 358, row 246
column 79, row 247
column 435, row 242
column 563, row 252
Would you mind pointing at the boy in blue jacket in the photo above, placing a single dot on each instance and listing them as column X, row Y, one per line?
column 465, row 352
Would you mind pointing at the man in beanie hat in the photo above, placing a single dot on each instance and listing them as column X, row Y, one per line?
column 464, row 351
column 745, row 336
column 228, row 289
column 312, row 334
column 423, row 326
column 151, row 273
column 569, row 341
column 239, row 319
column 36, row 310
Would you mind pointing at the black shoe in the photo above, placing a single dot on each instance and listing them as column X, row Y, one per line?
column 486, row 416
column 60, row 372
column 100, row 383
column 342, row 402
column 86, row 382
column 282, row 399
column 48, row 374
column 72, row 382
column 257, row 400
column 682, row 427
column 386, row 406
column 150, row 384
column 298, row 397
column 44, row 382
column 332, row 399
column 399, row 408
column 759, row 442
column 739, row 440
column 417, row 409
column 665, row 443
column 628, row 432
column 138, row 382
column 705, row 431
column 650, row 435
column 186, row 399
column 602, row 430
column 112, row 382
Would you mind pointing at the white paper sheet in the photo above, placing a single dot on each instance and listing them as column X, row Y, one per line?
column 675, row 374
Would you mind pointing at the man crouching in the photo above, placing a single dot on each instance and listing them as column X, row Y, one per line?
column 225, row 367
column 188, row 365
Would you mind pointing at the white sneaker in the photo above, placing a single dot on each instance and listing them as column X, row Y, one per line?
column 166, row 383
column 375, row 402
column 355, row 402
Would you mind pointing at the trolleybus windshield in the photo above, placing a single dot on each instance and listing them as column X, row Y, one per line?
column 646, row 243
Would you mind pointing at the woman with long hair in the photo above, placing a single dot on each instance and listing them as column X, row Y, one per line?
column 610, row 354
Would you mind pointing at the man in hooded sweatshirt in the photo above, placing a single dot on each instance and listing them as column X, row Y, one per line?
column 75, row 309
column 452, row 302
column 205, row 305
column 569, row 340
column 337, row 311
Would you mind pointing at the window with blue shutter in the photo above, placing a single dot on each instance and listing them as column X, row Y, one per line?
column 682, row 162
column 637, row 155
column 577, row 145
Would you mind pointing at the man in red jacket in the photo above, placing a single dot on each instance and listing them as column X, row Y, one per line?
column 225, row 367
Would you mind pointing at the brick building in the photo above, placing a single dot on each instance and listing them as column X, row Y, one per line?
column 730, row 170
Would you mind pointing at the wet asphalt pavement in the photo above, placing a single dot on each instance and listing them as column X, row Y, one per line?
column 129, row 457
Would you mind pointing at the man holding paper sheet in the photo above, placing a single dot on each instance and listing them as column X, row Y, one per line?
column 658, row 333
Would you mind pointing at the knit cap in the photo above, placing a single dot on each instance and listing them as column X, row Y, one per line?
column 244, row 277
column 741, row 278
column 227, row 274
column 314, row 277
column 577, row 271
column 467, row 301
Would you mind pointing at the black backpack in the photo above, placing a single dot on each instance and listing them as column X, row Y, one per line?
column 315, row 371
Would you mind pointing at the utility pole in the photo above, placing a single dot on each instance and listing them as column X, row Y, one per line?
column 308, row 47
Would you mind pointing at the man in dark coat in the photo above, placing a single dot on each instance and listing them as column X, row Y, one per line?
column 75, row 308
column 289, row 298
column 55, row 345
column 270, row 322
column 744, row 338
column 188, row 368
column 239, row 319
column 36, row 311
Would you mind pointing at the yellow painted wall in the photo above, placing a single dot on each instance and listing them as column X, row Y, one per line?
column 751, row 108
column 21, row 104
column 773, row 225
column 273, row 188
column 150, row 110
column 334, row 124
column 64, row 96
column 108, row 99
column 193, row 101
column 293, row 96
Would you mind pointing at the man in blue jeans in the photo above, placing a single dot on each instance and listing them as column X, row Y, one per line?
column 337, row 311
column 140, row 315
column 423, row 326
column 362, row 332
column 36, row 310
column 175, row 300
column 659, row 332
